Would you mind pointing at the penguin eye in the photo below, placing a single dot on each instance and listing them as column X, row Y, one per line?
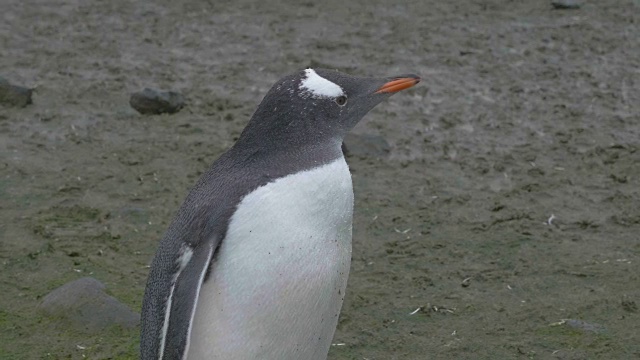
column 341, row 100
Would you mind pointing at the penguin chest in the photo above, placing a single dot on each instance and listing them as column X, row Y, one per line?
column 279, row 277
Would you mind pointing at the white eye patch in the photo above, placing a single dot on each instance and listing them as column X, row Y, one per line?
column 317, row 86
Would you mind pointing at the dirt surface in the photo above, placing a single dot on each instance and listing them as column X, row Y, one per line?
column 509, row 201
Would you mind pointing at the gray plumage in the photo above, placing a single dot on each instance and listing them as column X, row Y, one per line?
column 290, row 132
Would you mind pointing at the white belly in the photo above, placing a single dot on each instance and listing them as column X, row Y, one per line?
column 276, row 288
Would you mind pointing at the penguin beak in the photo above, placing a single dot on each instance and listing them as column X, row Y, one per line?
column 398, row 83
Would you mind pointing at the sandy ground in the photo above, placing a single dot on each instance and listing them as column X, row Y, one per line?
column 525, row 113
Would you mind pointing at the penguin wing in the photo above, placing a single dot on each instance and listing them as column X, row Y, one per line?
column 181, row 305
column 184, row 256
column 170, row 301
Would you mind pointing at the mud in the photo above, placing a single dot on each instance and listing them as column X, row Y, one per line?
column 507, row 204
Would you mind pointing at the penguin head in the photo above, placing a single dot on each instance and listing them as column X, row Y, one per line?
column 316, row 106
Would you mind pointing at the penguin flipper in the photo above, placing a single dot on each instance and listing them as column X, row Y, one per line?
column 182, row 301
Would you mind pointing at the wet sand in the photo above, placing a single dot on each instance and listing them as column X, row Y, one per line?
column 507, row 203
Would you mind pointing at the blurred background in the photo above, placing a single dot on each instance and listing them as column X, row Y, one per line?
column 496, row 211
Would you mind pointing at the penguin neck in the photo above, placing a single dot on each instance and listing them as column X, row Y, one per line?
column 286, row 128
column 286, row 156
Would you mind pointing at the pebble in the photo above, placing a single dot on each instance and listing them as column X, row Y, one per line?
column 150, row 101
column 585, row 326
column 565, row 4
column 14, row 95
column 84, row 305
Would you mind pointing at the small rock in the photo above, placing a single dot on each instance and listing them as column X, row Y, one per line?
column 84, row 304
column 565, row 4
column 150, row 101
column 365, row 146
column 585, row 326
column 14, row 95
column 629, row 304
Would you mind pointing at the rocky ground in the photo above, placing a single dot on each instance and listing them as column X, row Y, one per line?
column 501, row 221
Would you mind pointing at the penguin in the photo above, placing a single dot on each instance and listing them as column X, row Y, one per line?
column 255, row 263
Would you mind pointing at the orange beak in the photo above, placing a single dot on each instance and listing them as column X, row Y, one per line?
column 398, row 84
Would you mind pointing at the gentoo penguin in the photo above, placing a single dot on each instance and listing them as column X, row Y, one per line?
column 255, row 263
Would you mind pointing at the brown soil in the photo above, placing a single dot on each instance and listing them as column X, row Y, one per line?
column 524, row 113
